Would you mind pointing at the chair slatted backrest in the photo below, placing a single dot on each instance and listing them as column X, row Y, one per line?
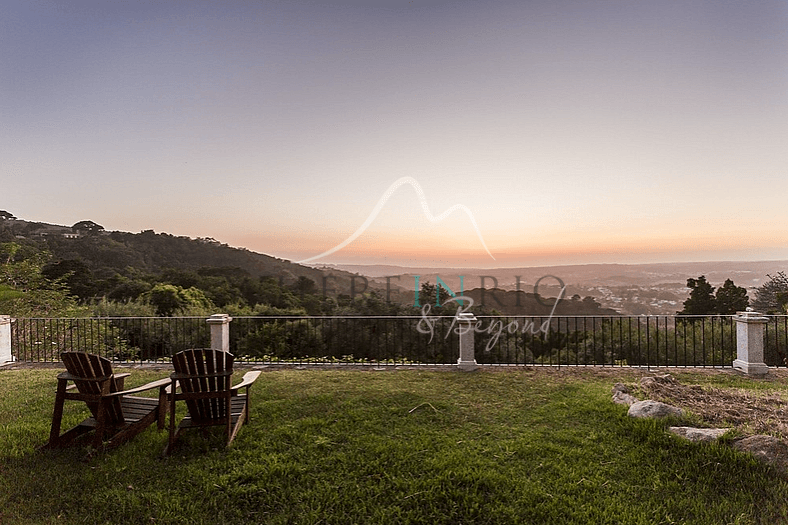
column 93, row 376
column 204, row 378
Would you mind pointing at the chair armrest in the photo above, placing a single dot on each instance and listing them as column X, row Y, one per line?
column 248, row 379
column 155, row 384
column 168, row 388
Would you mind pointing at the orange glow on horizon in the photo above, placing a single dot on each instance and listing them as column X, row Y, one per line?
column 435, row 251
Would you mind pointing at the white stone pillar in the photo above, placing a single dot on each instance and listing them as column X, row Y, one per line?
column 749, row 343
column 220, row 331
column 466, row 324
column 5, row 339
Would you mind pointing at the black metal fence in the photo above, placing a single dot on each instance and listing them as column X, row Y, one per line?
column 117, row 338
column 376, row 339
column 609, row 341
column 601, row 341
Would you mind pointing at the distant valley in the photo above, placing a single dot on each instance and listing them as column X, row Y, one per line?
column 630, row 289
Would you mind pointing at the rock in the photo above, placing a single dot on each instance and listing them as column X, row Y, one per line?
column 622, row 398
column 666, row 379
column 649, row 408
column 621, row 395
column 699, row 434
column 766, row 449
column 621, row 387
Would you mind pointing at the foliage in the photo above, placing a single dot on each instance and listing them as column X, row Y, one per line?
column 74, row 274
column 434, row 295
column 169, row 300
column 127, row 289
column 8, row 295
column 772, row 296
column 123, row 266
column 26, row 291
column 701, row 300
column 731, row 298
column 370, row 303
column 282, row 338
column 88, row 227
column 135, row 308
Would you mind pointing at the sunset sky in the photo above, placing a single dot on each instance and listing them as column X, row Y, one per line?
column 574, row 132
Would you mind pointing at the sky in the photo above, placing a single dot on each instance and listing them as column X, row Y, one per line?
column 562, row 132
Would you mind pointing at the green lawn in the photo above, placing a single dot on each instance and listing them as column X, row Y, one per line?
column 341, row 447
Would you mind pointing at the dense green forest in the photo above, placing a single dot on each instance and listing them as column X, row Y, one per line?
column 50, row 270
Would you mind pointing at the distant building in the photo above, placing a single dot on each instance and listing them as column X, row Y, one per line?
column 57, row 232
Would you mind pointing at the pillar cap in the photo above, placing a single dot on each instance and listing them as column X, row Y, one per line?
column 749, row 315
column 466, row 317
column 219, row 319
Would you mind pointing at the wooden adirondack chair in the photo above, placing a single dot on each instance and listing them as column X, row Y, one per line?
column 203, row 378
column 117, row 416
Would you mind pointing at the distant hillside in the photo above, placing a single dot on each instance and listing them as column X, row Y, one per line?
column 522, row 303
column 121, row 252
column 745, row 273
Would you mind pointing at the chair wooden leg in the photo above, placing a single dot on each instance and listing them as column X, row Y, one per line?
column 246, row 407
column 162, row 410
column 229, row 408
column 172, row 436
column 101, row 424
column 57, row 415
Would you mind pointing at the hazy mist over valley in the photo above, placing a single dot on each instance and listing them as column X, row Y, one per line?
column 630, row 289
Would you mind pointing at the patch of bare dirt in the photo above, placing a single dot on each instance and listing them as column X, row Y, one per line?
column 749, row 411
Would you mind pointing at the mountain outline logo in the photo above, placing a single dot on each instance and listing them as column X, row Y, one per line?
column 424, row 206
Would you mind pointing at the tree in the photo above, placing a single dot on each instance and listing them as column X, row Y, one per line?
column 304, row 286
column 436, row 296
column 731, row 298
column 169, row 299
column 88, row 227
column 701, row 300
column 268, row 292
column 772, row 296
column 126, row 289
column 75, row 274
column 24, row 291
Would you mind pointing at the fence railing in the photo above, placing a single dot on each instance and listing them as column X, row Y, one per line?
column 657, row 341
column 117, row 338
column 610, row 341
column 370, row 339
